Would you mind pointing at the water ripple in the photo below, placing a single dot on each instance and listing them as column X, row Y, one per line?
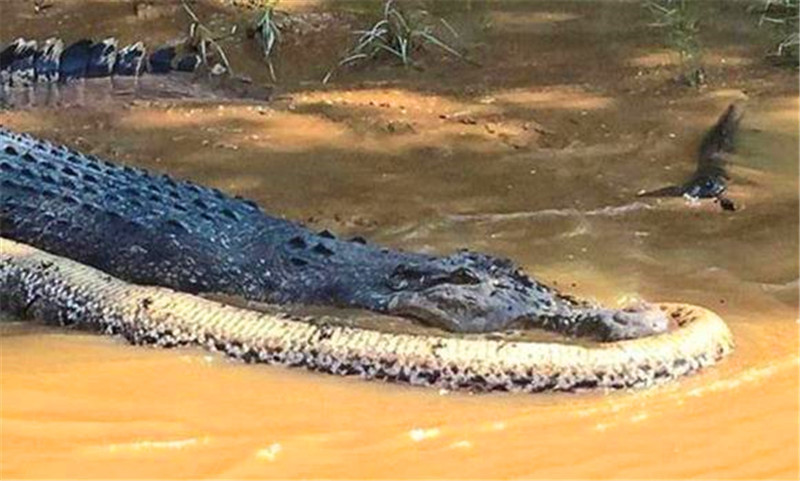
column 607, row 211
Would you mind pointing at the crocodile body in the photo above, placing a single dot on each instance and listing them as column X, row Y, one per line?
column 157, row 230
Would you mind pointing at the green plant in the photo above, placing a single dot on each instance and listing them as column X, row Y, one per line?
column 681, row 24
column 201, row 37
column 268, row 33
column 399, row 35
column 784, row 16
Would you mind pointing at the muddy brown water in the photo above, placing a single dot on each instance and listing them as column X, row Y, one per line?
column 536, row 156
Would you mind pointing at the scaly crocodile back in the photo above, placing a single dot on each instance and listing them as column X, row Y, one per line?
column 137, row 224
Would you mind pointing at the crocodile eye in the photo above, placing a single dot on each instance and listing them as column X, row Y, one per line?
column 463, row 275
column 404, row 277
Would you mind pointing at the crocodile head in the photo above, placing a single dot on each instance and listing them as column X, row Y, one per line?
column 469, row 292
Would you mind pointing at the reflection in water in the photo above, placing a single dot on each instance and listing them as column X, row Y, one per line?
column 538, row 158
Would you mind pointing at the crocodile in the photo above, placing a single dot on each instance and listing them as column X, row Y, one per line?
column 156, row 230
column 33, row 72
column 710, row 178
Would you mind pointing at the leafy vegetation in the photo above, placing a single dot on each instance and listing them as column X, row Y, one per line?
column 681, row 22
column 784, row 15
column 203, row 39
column 268, row 33
column 401, row 35
column 265, row 29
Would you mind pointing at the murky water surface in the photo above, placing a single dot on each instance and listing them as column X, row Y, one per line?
column 536, row 156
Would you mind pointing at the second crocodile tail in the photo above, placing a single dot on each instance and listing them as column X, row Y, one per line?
column 28, row 62
column 719, row 139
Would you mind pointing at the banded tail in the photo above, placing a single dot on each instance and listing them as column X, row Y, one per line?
column 26, row 62
column 710, row 179
column 31, row 69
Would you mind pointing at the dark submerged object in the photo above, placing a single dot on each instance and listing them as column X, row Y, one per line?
column 160, row 231
column 710, row 179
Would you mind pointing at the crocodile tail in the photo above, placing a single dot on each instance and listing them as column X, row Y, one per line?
column 25, row 62
column 46, row 73
column 669, row 191
column 131, row 60
column 719, row 139
column 710, row 177
column 47, row 60
column 17, row 62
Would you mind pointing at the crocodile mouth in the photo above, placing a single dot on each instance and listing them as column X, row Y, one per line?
column 440, row 307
